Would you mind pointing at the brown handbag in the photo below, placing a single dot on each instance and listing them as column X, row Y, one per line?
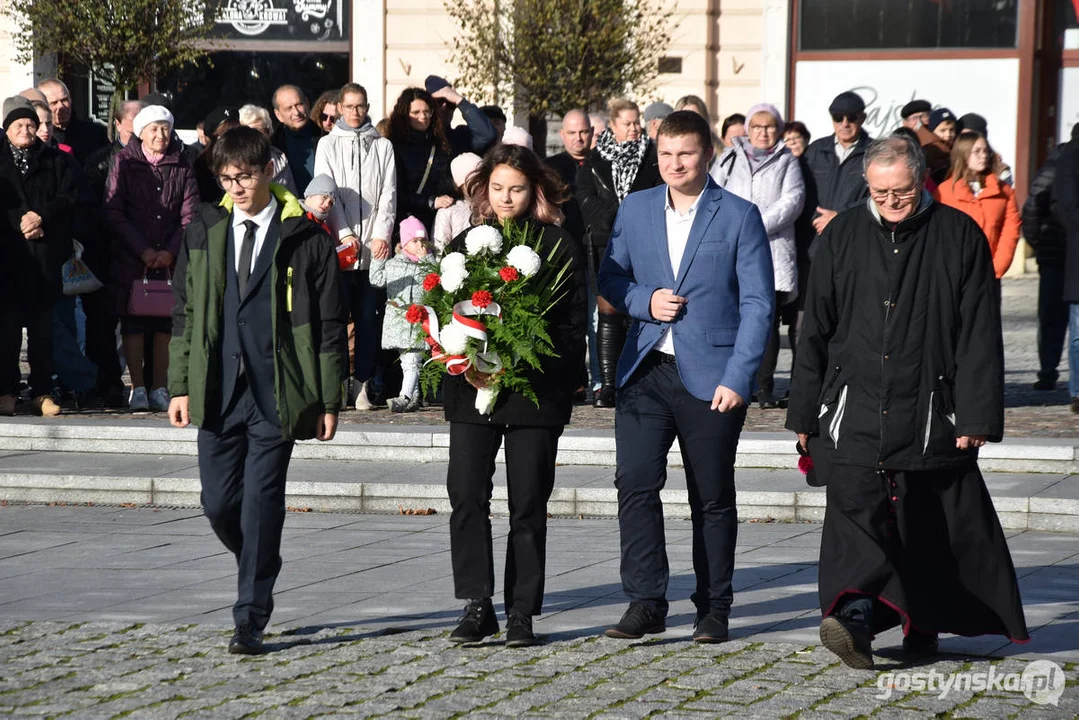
column 151, row 297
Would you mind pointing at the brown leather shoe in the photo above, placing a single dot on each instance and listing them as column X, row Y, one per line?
column 45, row 406
column 1075, row 404
column 7, row 405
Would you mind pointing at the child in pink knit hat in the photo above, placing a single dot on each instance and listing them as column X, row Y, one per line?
column 402, row 275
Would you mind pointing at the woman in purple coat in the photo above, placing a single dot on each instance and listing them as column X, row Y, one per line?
column 150, row 198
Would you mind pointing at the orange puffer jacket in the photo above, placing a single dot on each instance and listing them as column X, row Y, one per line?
column 995, row 211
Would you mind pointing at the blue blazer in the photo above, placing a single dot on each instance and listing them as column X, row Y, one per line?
column 725, row 276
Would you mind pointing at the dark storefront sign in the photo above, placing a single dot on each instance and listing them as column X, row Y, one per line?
column 845, row 25
column 300, row 20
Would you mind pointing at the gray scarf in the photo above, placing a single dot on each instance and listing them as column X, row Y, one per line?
column 345, row 126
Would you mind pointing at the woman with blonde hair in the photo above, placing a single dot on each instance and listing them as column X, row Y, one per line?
column 973, row 187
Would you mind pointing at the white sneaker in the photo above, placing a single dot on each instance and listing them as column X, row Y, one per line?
column 362, row 403
column 138, row 401
column 159, row 400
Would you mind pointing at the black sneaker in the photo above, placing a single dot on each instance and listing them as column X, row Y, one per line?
column 918, row 643
column 519, row 630
column 478, row 622
column 639, row 620
column 710, row 628
column 849, row 641
column 246, row 640
column 115, row 398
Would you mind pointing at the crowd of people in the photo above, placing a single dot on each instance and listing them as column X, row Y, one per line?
column 126, row 203
column 231, row 268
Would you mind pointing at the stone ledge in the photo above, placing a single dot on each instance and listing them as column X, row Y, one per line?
column 1016, row 513
column 431, row 444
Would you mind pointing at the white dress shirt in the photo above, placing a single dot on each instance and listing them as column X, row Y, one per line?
column 678, row 227
column 843, row 152
column 237, row 231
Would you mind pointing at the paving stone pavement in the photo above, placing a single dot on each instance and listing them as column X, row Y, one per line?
column 109, row 612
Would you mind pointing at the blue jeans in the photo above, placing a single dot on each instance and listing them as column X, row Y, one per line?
column 73, row 371
column 1073, row 351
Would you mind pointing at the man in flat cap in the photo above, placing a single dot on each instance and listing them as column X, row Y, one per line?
column 835, row 182
column 653, row 116
column 916, row 115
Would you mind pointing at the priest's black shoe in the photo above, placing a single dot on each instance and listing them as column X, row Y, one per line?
column 246, row 640
column 850, row 641
column 918, row 643
column 478, row 622
column 519, row 630
column 710, row 628
column 638, row 621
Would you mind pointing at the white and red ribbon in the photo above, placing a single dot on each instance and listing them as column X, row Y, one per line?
column 487, row 363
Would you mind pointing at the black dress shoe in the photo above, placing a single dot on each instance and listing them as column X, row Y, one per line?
column 605, row 398
column 849, row 641
column 918, row 643
column 639, row 620
column 767, row 400
column 478, row 622
column 1045, row 384
column 711, row 628
column 519, row 630
column 114, row 398
column 246, row 640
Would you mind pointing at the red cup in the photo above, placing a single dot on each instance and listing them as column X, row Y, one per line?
column 346, row 256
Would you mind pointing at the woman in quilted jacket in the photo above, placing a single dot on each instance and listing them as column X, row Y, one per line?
column 150, row 198
column 973, row 187
column 761, row 168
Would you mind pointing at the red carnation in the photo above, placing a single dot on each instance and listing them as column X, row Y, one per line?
column 481, row 299
column 431, row 282
column 416, row 314
column 805, row 464
column 508, row 274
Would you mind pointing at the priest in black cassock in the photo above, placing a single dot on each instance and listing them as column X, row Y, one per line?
column 899, row 379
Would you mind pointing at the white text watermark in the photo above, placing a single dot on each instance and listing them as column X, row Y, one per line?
column 1042, row 682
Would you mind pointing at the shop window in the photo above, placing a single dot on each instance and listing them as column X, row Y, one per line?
column 836, row 25
column 236, row 78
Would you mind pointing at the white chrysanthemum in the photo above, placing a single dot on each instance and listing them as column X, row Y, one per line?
column 485, row 400
column 453, row 278
column 453, row 261
column 524, row 259
column 483, row 238
column 453, row 340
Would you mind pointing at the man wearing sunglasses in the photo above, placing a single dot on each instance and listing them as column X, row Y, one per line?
column 835, row 182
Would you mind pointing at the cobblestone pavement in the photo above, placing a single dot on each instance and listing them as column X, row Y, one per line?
column 119, row 612
column 1029, row 413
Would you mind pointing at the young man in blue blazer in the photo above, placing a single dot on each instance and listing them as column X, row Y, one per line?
column 691, row 265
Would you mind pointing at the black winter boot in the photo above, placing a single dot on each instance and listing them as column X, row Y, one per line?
column 610, row 338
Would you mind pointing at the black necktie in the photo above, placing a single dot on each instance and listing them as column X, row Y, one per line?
column 247, row 249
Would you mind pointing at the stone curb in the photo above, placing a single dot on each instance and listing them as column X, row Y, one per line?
column 415, row 444
column 1016, row 513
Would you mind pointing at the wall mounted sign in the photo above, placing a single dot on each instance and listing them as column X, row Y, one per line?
column 283, row 19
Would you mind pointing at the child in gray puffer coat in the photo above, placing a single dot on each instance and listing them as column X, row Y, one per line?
column 402, row 275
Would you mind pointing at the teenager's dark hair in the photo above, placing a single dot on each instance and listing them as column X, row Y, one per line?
column 399, row 127
column 241, row 147
column 799, row 127
column 686, row 122
column 736, row 119
column 548, row 190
